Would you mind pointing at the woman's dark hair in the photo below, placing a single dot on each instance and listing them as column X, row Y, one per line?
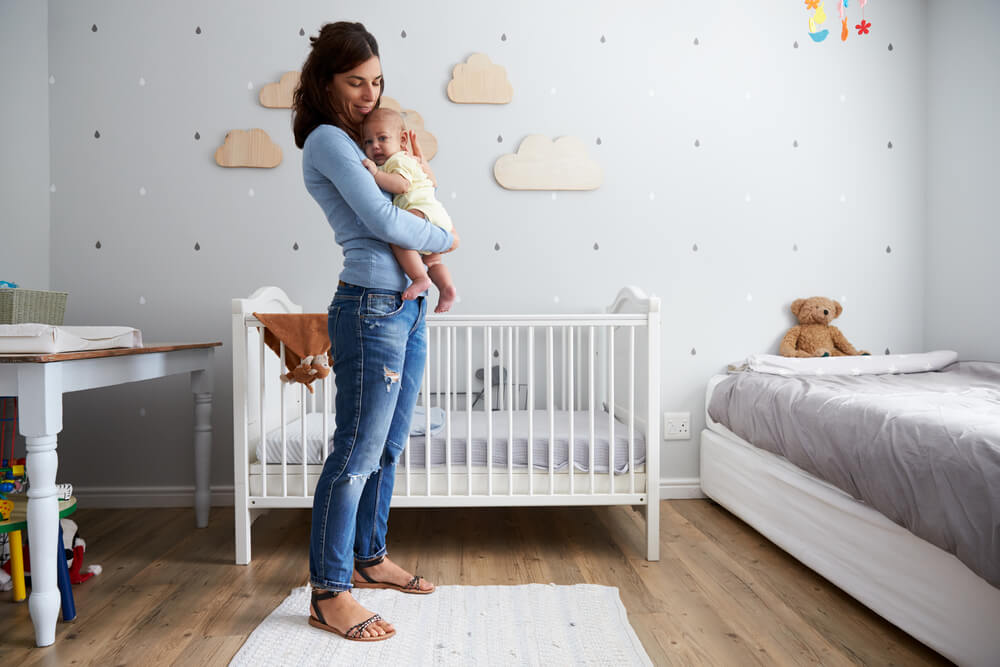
column 340, row 47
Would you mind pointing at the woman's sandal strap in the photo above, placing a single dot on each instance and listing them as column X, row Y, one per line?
column 414, row 584
column 356, row 630
column 322, row 595
column 361, row 569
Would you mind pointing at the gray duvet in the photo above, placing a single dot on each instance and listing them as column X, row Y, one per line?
column 922, row 448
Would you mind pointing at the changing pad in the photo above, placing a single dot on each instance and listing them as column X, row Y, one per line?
column 49, row 339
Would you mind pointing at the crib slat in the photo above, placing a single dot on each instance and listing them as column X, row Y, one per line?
column 488, row 406
column 531, row 410
column 564, row 358
column 631, row 409
column 284, row 429
column 468, row 408
column 590, row 380
column 551, row 403
column 447, row 407
column 510, row 414
column 263, row 412
column 437, row 383
column 427, row 419
column 305, row 441
column 571, row 454
column 611, row 410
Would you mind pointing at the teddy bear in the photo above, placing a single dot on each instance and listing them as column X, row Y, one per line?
column 312, row 368
column 814, row 336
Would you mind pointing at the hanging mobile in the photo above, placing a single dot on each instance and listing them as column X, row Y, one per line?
column 863, row 27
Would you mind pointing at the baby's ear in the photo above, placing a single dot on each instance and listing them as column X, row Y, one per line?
column 404, row 139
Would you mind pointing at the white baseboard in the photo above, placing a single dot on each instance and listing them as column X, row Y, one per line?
column 677, row 488
column 147, row 496
column 222, row 496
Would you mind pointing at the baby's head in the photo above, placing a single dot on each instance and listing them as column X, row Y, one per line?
column 383, row 134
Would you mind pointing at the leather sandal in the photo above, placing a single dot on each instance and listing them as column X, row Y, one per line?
column 354, row 632
column 413, row 586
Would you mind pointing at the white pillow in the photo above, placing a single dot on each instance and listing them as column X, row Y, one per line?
column 875, row 364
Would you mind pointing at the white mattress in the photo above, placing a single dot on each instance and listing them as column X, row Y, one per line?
column 459, row 436
column 875, row 560
column 49, row 339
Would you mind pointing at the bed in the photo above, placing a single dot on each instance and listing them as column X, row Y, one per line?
column 886, row 483
column 575, row 387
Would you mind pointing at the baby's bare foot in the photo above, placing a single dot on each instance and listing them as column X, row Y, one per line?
column 446, row 299
column 416, row 288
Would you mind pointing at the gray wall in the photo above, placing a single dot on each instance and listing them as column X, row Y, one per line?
column 840, row 214
column 963, row 229
column 24, row 137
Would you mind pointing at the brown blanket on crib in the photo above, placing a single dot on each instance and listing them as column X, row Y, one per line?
column 304, row 335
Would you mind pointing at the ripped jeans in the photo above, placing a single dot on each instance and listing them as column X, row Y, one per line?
column 379, row 346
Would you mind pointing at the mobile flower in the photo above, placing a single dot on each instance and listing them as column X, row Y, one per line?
column 863, row 27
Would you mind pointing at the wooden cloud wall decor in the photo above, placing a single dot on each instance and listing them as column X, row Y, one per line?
column 479, row 81
column 279, row 95
column 248, row 148
column 414, row 121
column 543, row 164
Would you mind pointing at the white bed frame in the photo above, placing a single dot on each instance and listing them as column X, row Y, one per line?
column 910, row 582
column 577, row 362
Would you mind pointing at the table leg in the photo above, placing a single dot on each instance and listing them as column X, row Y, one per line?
column 40, row 411
column 201, row 386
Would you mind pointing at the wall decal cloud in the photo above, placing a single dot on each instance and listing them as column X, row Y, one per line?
column 248, row 148
column 479, row 81
column 279, row 95
column 543, row 164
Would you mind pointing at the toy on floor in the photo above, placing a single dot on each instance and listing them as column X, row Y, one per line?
column 814, row 336
column 74, row 547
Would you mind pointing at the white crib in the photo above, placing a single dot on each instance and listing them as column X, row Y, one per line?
column 567, row 368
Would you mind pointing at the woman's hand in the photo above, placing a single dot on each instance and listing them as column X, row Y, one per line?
column 454, row 243
column 419, row 155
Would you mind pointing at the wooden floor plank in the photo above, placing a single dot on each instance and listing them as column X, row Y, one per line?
column 721, row 594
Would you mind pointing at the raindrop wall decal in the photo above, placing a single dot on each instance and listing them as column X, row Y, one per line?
column 142, row 300
column 694, row 248
column 795, row 45
column 142, row 81
column 197, row 136
column 302, row 32
column 142, row 191
column 97, row 135
column 887, row 351
column 693, row 351
column 98, row 245
column 890, row 46
column 52, row 188
column 496, row 246
column 889, row 145
column 250, row 192
column 503, row 37
column 888, row 249
column 93, row 28
column 795, row 247
column 603, row 40
column 696, row 42
column 52, row 79
column 598, row 141
column 597, row 247
column 402, row 34
column 249, row 85
column 499, row 138
column 697, row 143
column 197, row 246
column 795, row 143
column 296, row 246
column 197, row 30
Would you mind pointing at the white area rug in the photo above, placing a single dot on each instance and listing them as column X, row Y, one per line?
column 535, row 624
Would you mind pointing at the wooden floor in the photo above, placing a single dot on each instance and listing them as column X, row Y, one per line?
column 721, row 595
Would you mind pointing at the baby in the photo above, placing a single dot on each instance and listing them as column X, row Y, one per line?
column 395, row 170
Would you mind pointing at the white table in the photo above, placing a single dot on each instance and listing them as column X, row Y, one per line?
column 39, row 381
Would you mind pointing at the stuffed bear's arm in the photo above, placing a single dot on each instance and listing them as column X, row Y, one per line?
column 841, row 343
column 789, row 343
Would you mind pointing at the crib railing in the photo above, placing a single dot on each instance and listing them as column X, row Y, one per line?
column 513, row 368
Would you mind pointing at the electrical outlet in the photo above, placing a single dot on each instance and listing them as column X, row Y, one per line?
column 676, row 425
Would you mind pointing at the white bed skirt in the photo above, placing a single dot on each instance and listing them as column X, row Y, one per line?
column 922, row 589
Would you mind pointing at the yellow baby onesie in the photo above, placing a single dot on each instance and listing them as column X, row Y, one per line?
column 420, row 196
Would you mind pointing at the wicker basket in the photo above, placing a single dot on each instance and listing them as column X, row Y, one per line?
column 18, row 306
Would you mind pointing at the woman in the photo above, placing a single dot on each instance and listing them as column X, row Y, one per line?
column 378, row 341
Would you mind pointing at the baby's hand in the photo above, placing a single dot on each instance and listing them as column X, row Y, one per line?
column 370, row 166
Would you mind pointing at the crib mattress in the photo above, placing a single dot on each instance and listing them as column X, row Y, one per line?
column 461, row 442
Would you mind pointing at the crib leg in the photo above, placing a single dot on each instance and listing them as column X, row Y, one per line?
column 242, row 520
column 653, row 530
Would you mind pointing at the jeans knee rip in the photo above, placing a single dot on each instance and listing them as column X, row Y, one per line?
column 360, row 477
column 390, row 377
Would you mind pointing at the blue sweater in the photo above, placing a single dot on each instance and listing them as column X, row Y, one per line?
column 363, row 218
